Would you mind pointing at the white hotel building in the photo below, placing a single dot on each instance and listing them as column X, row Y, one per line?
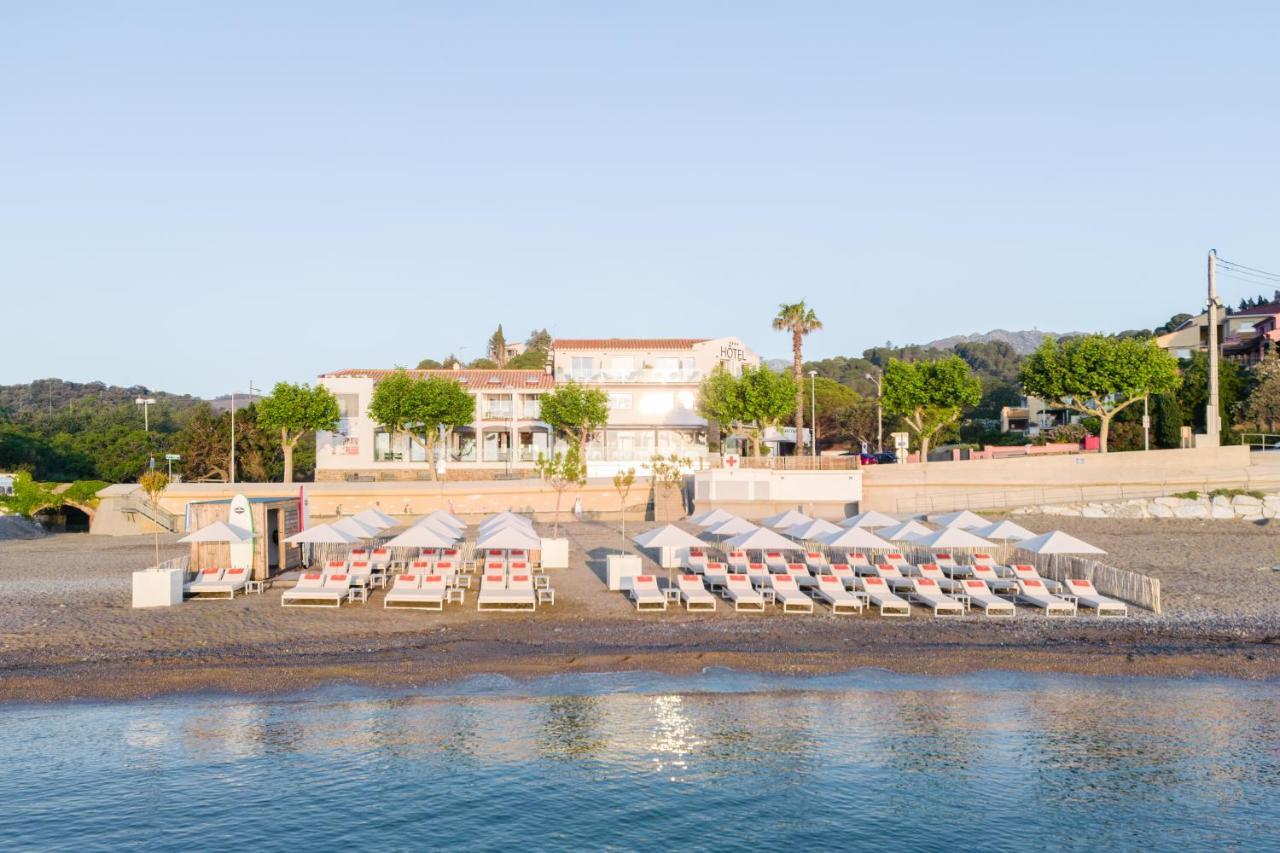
column 652, row 386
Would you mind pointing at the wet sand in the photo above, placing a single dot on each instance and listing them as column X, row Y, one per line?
column 67, row 630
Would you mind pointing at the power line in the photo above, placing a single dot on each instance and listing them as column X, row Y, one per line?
column 1241, row 269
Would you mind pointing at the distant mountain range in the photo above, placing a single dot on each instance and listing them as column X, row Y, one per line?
column 1024, row 342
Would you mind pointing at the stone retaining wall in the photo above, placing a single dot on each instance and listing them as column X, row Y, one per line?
column 1246, row 507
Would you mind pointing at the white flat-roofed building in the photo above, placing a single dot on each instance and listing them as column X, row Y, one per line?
column 505, row 437
column 652, row 384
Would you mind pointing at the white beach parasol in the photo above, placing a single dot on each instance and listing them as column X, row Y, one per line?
column 731, row 526
column 1057, row 542
column 509, row 537
column 446, row 517
column 870, row 519
column 321, row 534
column 905, row 532
column 358, row 529
column 950, row 537
column 1003, row 530
column 857, row 537
column 963, row 519
column 375, row 518
column 439, row 526
column 667, row 536
column 783, row 520
column 762, row 539
column 219, row 531
column 711, row 517
column 420, row 536
column 812, row 531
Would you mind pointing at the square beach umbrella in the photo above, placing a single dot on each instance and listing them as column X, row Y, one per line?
column 1057, row 542
column 762, row 539
column 712, row 517
column 375, row 518
column 812, row 531
column 219, row 531
column 870, row 519
column 421, row 536
column 962, row 519
column 783, row 520
column 907, row 531
column 509, row 537
column 950, row 537
column 857, row 538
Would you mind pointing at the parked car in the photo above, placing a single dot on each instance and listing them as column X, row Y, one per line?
column 887, row 457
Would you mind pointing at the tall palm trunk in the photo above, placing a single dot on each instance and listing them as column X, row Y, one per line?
column 797, row 369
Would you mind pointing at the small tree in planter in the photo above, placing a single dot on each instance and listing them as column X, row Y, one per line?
column 668, row 473
column 154, row 483
column 622, row 483
column 560, row 471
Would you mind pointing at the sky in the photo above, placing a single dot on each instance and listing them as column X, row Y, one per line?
column 196, row 195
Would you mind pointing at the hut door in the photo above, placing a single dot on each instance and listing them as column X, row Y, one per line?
column 273, row 539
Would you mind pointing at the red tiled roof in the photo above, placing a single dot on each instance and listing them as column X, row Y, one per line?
column 470, row 378
column 626, row 343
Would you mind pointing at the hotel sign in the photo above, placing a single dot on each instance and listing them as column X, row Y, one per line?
column 733, row 353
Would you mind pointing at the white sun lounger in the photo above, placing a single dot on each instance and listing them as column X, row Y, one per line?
column 775, row 561
column 981, row 596
column 716, row 574
column 997, row 584
column 315, row 589
column 897, row 560
column 500, row 592
column 843, row 573
column 1024, row 572
column 816, row 561
column 932, row 570
column 1032, row 592
column 831, row 590
column 925, row 591
column 758, row 573
column 858, row 562
column 218, row 583
column 950, row 567
column 361, row 572
column 739, row 591
column 801, row 575
column 336, row 566
column 878, row 593
column 788, row 595
column 1089, row 597
column 737, row 562
column 892, row 576
column 695, row 560
column 694, row 594
column 410, row 590
column 645, row 593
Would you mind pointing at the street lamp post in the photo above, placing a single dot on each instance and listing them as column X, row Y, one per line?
column 813, row 413
column 146, row 403
column 871, row 377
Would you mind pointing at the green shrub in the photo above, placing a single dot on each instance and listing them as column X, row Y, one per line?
column 1190, row 496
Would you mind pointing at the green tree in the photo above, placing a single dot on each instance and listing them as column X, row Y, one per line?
column 540, row 340
column 800, row 320
column 483, row 364
column 1099, row 376
column 420, row 407
column 833, row 405
column 1263, row 407
column 205, row 445
column 295, row 410
column 668, row 475
column 1167, row 420
column 30, row 496
column 497, row 347
column 560, row 471
column 720, row 401
column 1193, row 392
column 530, row 359
column 929, row 395
column 575, row 411
column 767, row 399
column 154, row 484
column 430, row 364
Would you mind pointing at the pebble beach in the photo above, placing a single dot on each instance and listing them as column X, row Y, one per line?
column 67, row 630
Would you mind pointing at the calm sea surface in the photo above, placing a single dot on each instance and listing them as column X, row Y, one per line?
column 723, row 760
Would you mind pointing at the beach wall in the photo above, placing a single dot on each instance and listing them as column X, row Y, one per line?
column 1038, row 480
column 1142, row 590
column 755, row 493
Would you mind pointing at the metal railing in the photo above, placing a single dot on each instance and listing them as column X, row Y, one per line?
column 1056, row 495
column 645, row 375
column 800, row 463
column 151, row 512
column 1260, row 441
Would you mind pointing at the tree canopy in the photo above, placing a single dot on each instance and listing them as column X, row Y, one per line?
column 747, row 404
column 1099, row 376
column 800, row 320
column 295, row 410
column 929, row 395
column 575, row 411
column 420, row 407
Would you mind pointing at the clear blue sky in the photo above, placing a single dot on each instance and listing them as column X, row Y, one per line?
column 278, row 189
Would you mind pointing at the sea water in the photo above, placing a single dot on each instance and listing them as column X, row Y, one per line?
column 634, row 761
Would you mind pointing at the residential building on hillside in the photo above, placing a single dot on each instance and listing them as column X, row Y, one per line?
column 1246, row 335
column 504, row 439
column 652, row 385
column 1035, row 416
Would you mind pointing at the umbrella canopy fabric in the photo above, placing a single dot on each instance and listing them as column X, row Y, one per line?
column 731, row 527
column 509, row 537
column 712, row 517
column 870, row 519
column 783, row 520
column 667, row 536
column 1003, row 530
column 321, row 534
column 504, row 524
column 762, row 539
column 503, row 518
column 420, row 536
column 448, row 518
column 904, row 532
column 963, row 519
column 358, row 529
column 857, row 537
column 951, row 537
column 219, row 531
column 812, row 531
column 1057, row 542
column 375, row 518
column 439, row 527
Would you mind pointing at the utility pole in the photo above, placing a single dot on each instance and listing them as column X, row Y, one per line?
column 813, row 412
column 145, row 403
column 871, row 377
column 1146, row 424
column 1212, row 425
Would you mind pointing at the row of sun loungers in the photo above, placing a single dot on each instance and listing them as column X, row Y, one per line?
column 945, row 587
column 218, row 583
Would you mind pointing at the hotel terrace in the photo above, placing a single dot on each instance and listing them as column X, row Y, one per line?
column 652, row 386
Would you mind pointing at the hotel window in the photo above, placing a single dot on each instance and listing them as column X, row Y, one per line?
column 348, row 405
column 657, row 403
column 622, row 365
column 582, row 364
column 619, row 401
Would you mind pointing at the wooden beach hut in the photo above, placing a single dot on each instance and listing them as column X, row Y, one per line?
column 270, row 519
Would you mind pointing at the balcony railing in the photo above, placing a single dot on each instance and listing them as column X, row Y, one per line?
column 498, row 413
column 649, row 375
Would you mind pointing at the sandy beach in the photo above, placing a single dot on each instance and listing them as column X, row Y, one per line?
column 67, row 630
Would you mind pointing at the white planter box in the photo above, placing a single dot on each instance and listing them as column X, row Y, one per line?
column 157, row 587
column 555, row 553
column 620, row 567
column 669, row 558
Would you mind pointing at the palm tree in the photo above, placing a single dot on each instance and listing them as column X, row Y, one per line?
column 800, row 320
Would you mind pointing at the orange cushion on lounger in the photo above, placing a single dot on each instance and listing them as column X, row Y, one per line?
column 406, row 578
column 926, row 582
column 519, row 565
column 1077, row 582
column 519, row 578
column 756, row 565
column 644, row 578
column 360, row 565
column 451, row 552
column 828, row 579
column 976, row 584
column 311, row 576
column 495, row 565
column 982, row 556
column 493, row 578
column 737, row 577
column 337, row 577
column 420, row 564
column 211, row 571
column 944, row 556
column 690, row 577
column 774, row 554
column 1031, row 583
column 235, row 571
column 433, row 578
column 694, row 552
column 444, row 564
column 895, row 556
column 929, row 566
column 874, row 581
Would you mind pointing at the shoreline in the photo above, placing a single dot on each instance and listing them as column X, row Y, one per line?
column 254, row 672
